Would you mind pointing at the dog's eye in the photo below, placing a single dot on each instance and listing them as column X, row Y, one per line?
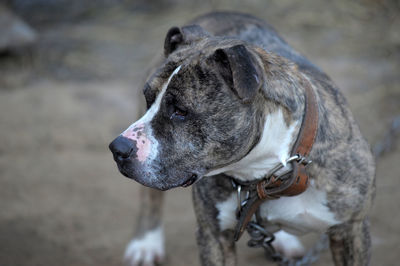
column 178, row 114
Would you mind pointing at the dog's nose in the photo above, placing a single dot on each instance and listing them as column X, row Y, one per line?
column 121, row 147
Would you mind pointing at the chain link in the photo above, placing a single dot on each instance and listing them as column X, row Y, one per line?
column 259, row 237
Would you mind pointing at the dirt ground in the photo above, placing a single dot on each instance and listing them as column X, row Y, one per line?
column 62, row 199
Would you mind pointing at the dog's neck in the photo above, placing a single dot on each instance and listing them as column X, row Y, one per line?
column 274, row 147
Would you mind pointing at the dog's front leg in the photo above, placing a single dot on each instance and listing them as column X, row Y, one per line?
column 350, row 244
column 216, row 248
column 147, row 245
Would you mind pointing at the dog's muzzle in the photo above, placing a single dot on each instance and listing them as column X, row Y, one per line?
column 131, row 160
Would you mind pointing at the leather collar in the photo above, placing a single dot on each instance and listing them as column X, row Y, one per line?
column 290, row 183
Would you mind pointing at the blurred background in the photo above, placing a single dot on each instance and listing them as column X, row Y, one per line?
column 71, row 73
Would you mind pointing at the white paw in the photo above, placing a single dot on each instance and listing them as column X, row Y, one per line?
column 147, row 250
column 288, row 245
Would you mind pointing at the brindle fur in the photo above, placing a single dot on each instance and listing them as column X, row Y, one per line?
column 342, row 165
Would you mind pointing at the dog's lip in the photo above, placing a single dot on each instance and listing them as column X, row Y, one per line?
column 190, row 180
column 123, row 171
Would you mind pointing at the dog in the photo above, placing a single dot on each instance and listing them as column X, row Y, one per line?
column 231, row 107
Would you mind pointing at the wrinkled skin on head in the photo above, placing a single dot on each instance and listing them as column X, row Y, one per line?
column 203, row 116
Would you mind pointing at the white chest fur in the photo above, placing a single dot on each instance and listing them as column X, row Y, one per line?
column 273, row 147
column 300, row 214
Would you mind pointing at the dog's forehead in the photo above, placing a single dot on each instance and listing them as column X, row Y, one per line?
column 193, row 60
column 202, row 49
column 163, row 74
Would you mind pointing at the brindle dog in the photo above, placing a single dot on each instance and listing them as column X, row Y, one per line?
column 227, row 101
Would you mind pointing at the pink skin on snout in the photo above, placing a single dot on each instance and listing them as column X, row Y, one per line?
column 137, row 133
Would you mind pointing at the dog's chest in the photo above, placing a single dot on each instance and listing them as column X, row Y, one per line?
column 299, row 214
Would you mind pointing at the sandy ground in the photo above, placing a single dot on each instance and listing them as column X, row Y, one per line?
column 62, row 200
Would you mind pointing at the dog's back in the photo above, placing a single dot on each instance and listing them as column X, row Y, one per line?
column 251, row 30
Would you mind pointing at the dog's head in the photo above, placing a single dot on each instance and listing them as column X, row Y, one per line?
column 202, row 111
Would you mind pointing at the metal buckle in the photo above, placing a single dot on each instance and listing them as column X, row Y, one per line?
column 300, row 159
column 279, row 166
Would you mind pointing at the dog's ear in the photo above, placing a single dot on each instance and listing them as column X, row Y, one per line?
column 240, row 70
column 173, row 38
column 182, row 36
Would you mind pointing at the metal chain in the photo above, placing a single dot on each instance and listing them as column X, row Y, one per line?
column 259, row 237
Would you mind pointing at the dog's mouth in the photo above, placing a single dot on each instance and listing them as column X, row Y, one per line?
column 193, row 178
column 185, row 182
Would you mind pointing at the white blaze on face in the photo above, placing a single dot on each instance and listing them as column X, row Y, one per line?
column 141, row 131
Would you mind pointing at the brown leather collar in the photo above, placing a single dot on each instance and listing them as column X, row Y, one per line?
column 291, row 183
